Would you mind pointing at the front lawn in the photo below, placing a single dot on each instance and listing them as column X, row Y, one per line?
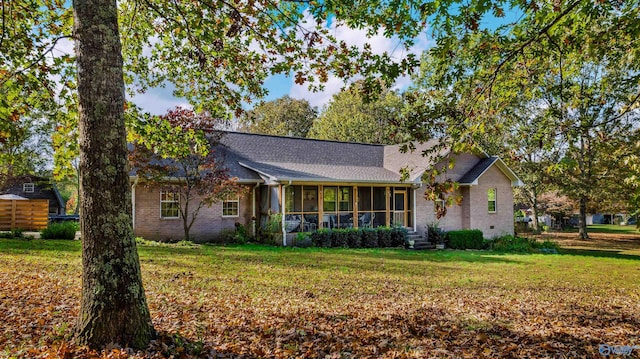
column 261, row 301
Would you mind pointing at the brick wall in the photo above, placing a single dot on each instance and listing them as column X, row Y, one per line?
column 473, row 213
column 500, row 222
column 206, row 227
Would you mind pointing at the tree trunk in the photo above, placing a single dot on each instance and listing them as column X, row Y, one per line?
column 534, row 213
column 582, row 221
column 113, row 307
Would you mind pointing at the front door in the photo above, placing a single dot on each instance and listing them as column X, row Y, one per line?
column 399, row 208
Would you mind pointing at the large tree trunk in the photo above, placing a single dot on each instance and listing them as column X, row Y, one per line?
column 114, row 308
column 582, row 221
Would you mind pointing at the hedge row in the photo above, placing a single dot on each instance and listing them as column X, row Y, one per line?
column 359, row 238
column 466, row 239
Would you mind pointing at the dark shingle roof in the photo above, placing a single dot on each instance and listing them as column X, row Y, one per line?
column 266, row 148
column 472, row 176
column 321, row 172
column 256, row 157
column 302, row 159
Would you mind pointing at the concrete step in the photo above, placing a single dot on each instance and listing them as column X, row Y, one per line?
column 421, row 244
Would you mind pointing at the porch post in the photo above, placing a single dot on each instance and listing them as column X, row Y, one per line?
column 253, row 209
column 282, row 204
column 320, row 206
column 413, row 210
column 355, row 207
column 388, row 206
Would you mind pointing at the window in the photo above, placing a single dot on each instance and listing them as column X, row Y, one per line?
column 330, row 199
column 231, row 208
column 169, row 205
column 491, row 195
column 345, row 198
column 27, row 187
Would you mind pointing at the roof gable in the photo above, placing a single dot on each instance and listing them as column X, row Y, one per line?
column 471, row 178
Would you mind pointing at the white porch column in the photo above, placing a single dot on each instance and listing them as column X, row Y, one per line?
column 413, row 211
column 282, row 205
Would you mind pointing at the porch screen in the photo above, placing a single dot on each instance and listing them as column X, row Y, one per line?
column 301, row 210
column 338, row 207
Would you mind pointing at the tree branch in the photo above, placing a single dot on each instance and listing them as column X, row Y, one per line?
column 38, row 59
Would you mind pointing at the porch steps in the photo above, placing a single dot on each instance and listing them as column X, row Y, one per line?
column 419, row 242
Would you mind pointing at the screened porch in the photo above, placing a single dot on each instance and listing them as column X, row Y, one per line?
column 308, row 208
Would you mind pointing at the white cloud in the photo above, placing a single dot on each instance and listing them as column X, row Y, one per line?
column 358, row 37
column 157, row 101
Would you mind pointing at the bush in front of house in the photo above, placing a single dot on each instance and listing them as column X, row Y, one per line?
column 354, row 238
column 321, row 238
column 339, row 238
column 369, row 238
column 384, row 236
column 61, row 230
column 466, row 239
column 398, row 236
column 435, row 234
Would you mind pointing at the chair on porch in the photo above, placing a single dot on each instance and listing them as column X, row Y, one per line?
column 366, row 220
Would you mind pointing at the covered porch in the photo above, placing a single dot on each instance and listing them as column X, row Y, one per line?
column 307, row 207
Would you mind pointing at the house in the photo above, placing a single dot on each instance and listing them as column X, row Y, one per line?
column 328, row 184
column 36, row 187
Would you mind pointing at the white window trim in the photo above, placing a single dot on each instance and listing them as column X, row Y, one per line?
column 495, row 200
column 164, row 201
column 28, row 187
column 236, row 200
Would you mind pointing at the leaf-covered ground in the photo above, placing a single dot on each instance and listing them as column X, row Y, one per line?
column 266, row 302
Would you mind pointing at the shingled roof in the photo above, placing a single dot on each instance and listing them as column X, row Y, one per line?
column 471, row 178
column 265, row 158
column 276, row 158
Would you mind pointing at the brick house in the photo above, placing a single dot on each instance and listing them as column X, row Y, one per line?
column 328, row 184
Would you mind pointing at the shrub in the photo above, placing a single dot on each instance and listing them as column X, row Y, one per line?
column 466, row 239
column 339, row 238
column 384, row 237
column 523, row 245
column 370, row 237
column 398, row 236
column 354, row 238
column 435, row 234
column 303, row 239
column 242, row 235
column 321, row 238
column 62, row 230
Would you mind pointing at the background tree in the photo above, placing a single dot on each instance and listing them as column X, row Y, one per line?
column 282, row 117
column 551, row 64
column 350, row 116
column 25, row 146
column 176, row 152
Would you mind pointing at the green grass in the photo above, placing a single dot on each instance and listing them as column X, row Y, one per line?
column 291, row 302
column 612, row 228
